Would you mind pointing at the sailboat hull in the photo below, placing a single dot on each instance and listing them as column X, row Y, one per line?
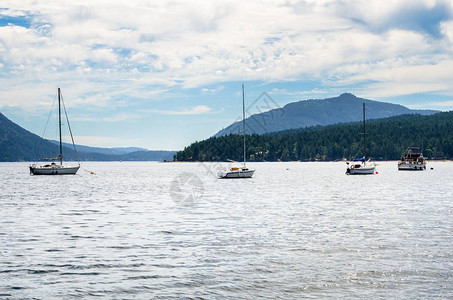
column 361, row 171
column 236, row 174
column 58, row 170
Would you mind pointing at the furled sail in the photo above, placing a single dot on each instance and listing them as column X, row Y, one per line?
column 54, row 158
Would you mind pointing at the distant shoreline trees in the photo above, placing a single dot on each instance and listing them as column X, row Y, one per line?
column 386, row 140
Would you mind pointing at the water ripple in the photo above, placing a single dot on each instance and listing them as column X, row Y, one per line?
column 295, row 230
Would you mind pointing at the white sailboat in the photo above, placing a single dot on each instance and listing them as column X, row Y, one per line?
column 239, row 172
column 361, row 166
column 54, row 168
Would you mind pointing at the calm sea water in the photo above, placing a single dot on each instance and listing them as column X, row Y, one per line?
column 172, row 230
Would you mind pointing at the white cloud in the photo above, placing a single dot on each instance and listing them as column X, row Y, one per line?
column 129, row 117
column 213, row 90
column 276, row 91
column 406, row 79
column 447, row 30
column 122, row 48
column 436, row 104
column 197, row 110
column 439, row 105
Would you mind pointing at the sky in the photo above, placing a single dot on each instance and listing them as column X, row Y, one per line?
column 163, row 74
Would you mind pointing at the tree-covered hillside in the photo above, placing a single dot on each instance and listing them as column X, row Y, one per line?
column 18, row 144
column 302, row 114
column 386, row 140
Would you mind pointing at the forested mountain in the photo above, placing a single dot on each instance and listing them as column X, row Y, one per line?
column 342, row 109
column 18, row 144
column 386, row 140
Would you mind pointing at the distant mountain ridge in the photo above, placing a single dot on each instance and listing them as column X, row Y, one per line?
column 18, row 144
column 107, row 151
column 342, row 109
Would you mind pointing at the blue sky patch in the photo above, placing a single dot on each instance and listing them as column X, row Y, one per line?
column 23, row 21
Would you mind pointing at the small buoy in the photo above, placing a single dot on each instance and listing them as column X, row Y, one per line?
column 377, row 172
column 432, row 168
column 287, row 169
column 91, row 172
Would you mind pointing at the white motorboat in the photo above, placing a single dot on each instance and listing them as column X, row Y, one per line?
column 239, row 172
column 412, row 160
column 361, row 166
column 54, row 168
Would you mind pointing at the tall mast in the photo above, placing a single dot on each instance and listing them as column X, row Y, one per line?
column 364, row 136
column 243, row 119
column 59, row 126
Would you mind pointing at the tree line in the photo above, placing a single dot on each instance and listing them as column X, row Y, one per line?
column 386, row 139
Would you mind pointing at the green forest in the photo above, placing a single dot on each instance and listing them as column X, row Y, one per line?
column 386, row 139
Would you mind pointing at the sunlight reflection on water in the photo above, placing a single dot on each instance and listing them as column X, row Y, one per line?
column 293, row 230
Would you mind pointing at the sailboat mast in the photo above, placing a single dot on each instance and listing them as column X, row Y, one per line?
column 243, row 119
column 59, row 126
column 364, row 135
